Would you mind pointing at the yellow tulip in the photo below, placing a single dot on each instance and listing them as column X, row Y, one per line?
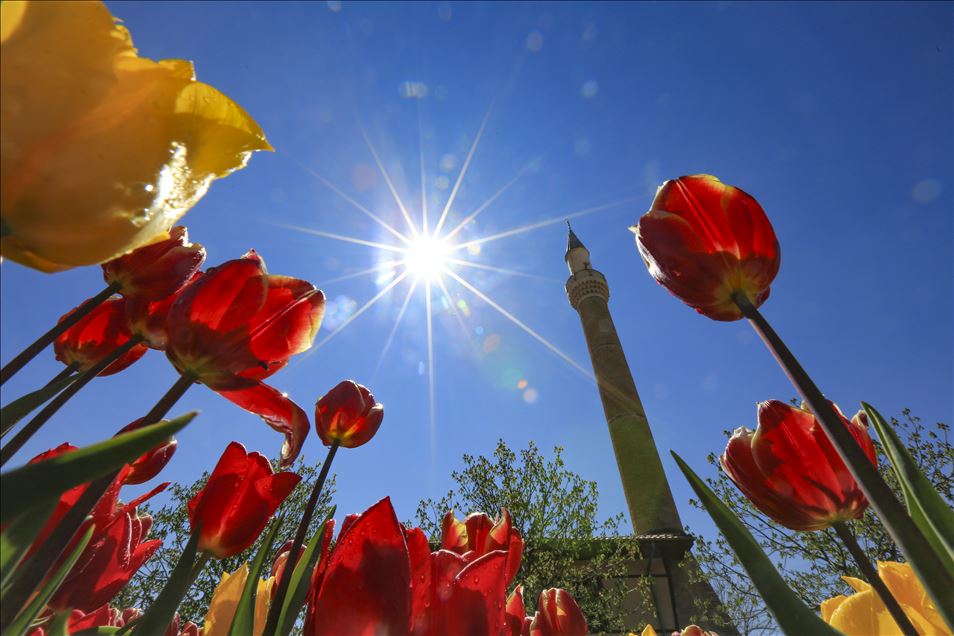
column 225, row 599
column 101, row 150
column 863, row 613
column 692, row 630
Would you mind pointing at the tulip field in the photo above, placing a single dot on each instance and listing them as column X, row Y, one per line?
column 105, row 150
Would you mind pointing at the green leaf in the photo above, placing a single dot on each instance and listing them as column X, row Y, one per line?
column 21, row 623
column 925, row 505
column 102, row 630
column 59, row 625
column 19, row 536
column 163, row 609
column 22, row 488
column 791, row 613
column 300, row 580
column 243, row 622
column 23, row 406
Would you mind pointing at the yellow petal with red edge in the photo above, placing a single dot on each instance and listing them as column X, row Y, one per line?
column 648, row 631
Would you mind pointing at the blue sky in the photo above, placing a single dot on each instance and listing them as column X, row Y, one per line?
column 836, row 117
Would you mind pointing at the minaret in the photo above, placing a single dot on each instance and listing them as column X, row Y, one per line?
column 652, row 510
column 650, row 502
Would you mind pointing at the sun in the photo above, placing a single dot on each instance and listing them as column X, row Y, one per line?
column 427, row 257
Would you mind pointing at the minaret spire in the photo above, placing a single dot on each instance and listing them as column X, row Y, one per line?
column 652, row 508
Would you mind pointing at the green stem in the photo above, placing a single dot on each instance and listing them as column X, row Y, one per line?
column 65, row 373
column 902, row 529
column 868, row 570
column 275, row 610
column 62, row 398
column 46, row 339
column 42, row 561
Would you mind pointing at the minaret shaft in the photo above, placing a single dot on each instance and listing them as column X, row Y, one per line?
column 650, row 501
column 648, row 497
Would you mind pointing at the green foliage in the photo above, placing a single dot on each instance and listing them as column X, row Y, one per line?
column 555, row 511
column 814, row 562
column 171, row 524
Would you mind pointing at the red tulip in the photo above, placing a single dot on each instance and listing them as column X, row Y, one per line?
column 705, row 241
column 236, row 326
column 789, row 470
column 382, row 578
column 237, row 502
column 558, row 615
column 478, row 534
column 150, row 463
column 158, row 270
column 147, row 318
column 113, row 555
column 347, row 414
column 97, row 335
column 365, row 588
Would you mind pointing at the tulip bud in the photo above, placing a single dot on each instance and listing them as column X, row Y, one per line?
column 95, row 336
column 237, row 502
column 558, row 615
column 150, row 463
column 790, row 471
column 157, row 270
column 347, row 414
column 705, row 242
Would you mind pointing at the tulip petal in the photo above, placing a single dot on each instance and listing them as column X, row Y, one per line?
column 453, row 533
column 475, row 607
column 215, row 498
column 251, row 513
column 419, row 555
column 223, row 299
column 225, row 599
column 288, row 320
column 366, row 588
column 739, row 464
column 515, row 612
column 224, row 133
column 279, row 412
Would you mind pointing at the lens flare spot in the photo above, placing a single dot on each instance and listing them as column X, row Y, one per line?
column 491, row 342
column 530, row 396
column 522, row 384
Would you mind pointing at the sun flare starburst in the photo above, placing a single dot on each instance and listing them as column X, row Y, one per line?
column 427, row 257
